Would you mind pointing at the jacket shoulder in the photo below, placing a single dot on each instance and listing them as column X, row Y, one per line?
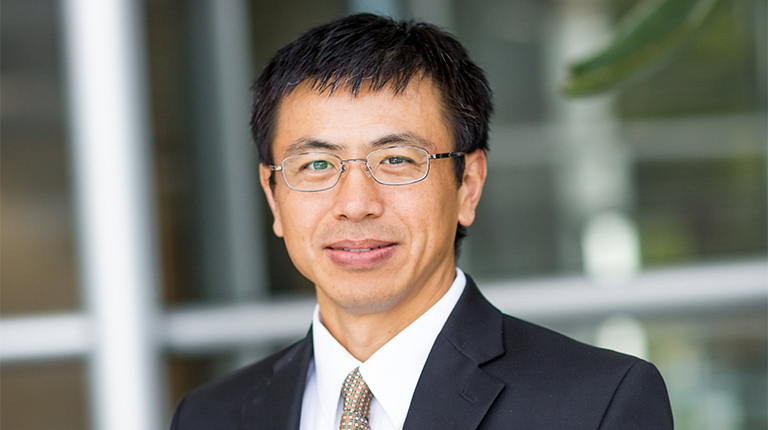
column 219, row 403
column 576, row 385
column 544, row 347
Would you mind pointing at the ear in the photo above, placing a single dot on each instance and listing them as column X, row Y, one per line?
column 475, row 170
column 264, row 174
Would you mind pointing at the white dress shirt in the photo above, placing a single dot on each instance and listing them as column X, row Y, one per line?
column 391, row 372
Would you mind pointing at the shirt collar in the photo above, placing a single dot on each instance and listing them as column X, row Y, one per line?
column 393, row 371
column 332, row 365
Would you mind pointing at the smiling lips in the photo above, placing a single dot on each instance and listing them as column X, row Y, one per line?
column 363, row 254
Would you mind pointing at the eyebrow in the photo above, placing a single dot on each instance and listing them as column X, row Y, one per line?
column 308, row 143
column 403, row 138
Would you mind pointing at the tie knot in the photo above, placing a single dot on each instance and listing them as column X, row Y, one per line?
column 357, row 402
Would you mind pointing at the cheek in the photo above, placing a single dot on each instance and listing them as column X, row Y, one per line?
column 448, row 212
column 298, row 233
column 431, row 214
column 300, row 220
column 295, row 224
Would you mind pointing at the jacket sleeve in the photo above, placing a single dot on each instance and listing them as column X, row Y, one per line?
column 176, row 416
column 640, row 401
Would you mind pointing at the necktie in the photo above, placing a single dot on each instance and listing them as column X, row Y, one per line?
column 357, row 402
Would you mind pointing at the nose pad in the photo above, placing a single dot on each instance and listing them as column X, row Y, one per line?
column 363, row 166
column 366, row 170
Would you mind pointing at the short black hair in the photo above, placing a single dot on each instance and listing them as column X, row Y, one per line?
column 367, row 49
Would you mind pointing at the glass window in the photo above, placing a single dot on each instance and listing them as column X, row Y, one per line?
column 44, row 396
column 38, row 268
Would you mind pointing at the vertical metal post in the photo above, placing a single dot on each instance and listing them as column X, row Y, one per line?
column 110, row 148
column 233, row 78
column 233, row 263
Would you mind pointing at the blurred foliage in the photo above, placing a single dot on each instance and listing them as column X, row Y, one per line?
column 720, row 71
column 646, row 39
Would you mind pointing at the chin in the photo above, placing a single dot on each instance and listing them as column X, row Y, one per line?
column 359, row 300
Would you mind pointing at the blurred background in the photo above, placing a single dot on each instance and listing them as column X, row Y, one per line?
column 138, row 259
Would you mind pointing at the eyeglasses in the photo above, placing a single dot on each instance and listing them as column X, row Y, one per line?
column 395, row 165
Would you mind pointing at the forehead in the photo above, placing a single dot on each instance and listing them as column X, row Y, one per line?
column 347, row 123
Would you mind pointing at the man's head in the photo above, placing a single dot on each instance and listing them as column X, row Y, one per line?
column 349, row 88
column 371, row 51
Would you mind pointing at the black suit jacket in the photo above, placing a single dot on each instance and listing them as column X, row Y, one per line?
column 486, row 370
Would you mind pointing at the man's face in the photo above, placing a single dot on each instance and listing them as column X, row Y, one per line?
column 372, row 248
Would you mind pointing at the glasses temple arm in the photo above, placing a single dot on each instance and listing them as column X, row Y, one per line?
column 446, row 155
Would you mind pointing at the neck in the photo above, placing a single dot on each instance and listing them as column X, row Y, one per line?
column 363, row 333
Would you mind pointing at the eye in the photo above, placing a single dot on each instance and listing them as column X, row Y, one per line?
column 394, row 160
column 318, row 165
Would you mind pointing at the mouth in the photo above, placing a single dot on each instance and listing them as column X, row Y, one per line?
column 358, row 249
column 360, row 254
column 358, row 245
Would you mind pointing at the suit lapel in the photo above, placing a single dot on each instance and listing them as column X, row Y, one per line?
column 454, row 392
column 275, row 402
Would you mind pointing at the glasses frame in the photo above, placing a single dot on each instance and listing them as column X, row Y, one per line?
column 343, row 163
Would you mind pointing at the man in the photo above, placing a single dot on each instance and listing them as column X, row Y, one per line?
column 372, row 136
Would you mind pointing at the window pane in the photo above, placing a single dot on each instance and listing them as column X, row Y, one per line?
column 40, row 396
column 38, row 269
column 696, row 210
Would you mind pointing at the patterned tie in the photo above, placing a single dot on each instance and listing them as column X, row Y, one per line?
column 357, row 402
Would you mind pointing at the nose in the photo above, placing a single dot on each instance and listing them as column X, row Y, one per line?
column 357, row 194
